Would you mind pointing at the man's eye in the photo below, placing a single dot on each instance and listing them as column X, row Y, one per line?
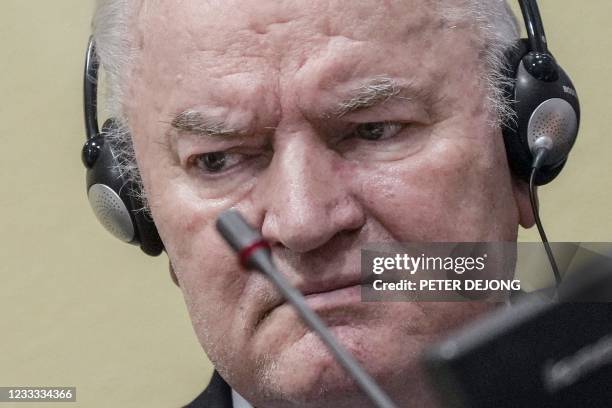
column 216, row 162
column 377, row 130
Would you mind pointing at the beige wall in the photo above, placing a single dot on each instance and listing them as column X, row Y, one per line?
column 79, row 308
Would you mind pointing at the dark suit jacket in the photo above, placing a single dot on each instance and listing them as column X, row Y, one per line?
column 218, row 394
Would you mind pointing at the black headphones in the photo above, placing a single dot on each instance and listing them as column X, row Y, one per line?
column 543, row 97
column 114, row 198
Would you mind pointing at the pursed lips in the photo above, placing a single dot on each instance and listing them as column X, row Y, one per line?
column 321, row 294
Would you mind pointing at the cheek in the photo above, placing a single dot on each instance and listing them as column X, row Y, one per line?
column 458, row 188
column 212, row 282
column 208, row 272
column 204, row 263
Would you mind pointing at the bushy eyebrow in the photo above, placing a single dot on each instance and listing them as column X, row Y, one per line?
column 198, row 123
column 371, row 93
column 374, row 92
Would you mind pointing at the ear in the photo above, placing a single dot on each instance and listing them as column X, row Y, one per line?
column 173, row 275
column 520, row 190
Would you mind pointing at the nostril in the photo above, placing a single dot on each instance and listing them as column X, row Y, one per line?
column 305, row 226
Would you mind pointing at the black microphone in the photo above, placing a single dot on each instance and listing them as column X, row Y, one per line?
column 254, row 253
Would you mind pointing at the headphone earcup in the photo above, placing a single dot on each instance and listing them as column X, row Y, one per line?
column 149, row 239
column 116, row 201
column 544, row 104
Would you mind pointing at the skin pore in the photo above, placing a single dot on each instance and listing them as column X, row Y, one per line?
column 329, row 125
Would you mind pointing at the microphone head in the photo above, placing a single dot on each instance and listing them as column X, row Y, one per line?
column 236, row 231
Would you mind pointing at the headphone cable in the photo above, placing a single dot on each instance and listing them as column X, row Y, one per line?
column 533, row 197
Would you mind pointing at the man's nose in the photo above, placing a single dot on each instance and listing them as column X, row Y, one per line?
column 309, row 195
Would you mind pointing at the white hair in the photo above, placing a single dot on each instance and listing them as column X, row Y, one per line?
column 500, row 31
column 112, row 37
column 112, row 20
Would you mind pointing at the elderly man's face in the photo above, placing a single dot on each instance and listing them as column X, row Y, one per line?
column 329, row 124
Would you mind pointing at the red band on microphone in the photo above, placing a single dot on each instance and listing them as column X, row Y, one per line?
column 245, row 254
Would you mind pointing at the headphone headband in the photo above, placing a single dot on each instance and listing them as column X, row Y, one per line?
column 90, row 90
column 534, row 25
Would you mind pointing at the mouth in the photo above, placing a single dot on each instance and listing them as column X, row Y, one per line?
column 323, row 300
column 334, row 298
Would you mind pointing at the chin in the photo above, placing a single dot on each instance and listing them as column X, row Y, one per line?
column 387, row 341
column 305, row 374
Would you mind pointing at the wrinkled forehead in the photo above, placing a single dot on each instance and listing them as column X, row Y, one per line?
column 350, row 18
column 263, row 56
column 273, row 29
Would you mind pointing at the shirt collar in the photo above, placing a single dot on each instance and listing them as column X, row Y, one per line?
column 239, row 402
